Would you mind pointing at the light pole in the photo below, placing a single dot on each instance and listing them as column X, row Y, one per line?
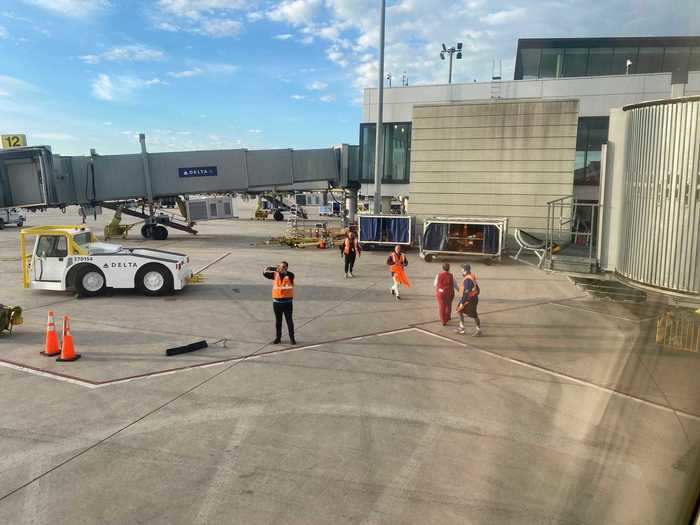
column 451, row 51
column 379, row 144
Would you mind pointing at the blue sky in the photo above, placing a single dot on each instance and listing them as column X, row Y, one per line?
column 195, row 74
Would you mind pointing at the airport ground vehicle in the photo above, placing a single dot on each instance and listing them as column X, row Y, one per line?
column 69, row 257
column 11, row 216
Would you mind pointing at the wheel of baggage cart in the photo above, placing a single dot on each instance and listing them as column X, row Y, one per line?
column 147, row 231
column 428, row 257
column 278, row 215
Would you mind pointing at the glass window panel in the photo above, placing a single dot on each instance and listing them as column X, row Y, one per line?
column 592, row 172
column 694, row 63
column 580, row 167
column 597, row 132
column 600, row 61
column 582, row 134
column 396, row 152
column 397, row 155
column 530, row 63
column 650, row 60
column 575, row 60
column 676, row 58
column 367, row 144
column 620, row 57
column 551, row 63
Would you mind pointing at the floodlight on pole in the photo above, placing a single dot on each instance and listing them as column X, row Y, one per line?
column 451, row 51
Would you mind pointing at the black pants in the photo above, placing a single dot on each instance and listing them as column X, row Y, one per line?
column 286, row 310
column 349, row 262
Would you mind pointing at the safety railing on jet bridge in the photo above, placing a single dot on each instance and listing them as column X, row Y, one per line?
column 572, row 227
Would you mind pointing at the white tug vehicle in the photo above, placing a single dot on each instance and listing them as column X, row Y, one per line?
column 71, row 258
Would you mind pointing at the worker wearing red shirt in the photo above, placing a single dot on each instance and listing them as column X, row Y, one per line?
column 445, row 287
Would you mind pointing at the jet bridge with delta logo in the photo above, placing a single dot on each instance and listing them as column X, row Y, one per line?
column 137, row 184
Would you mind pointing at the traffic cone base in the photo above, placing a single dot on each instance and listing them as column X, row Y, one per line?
column 74, row 358
column 67, row 348
column 51, row 345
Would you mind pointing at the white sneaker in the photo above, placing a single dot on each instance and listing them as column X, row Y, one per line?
column 460, row 330
column 477, row 333
column 351, row 275
column 346, row 275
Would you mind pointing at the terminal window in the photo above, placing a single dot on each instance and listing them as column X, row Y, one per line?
column 397, row 152
column 559, row 62
column 592, row 133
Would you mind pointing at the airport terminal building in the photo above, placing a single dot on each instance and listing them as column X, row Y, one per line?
column 601, row 73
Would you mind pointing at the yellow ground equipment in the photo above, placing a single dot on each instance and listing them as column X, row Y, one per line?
column 116, row 229
column 9, row 317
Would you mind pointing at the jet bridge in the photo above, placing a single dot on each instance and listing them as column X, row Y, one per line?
column 34, row 177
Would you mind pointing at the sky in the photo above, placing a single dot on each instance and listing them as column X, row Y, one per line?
column 215, row 74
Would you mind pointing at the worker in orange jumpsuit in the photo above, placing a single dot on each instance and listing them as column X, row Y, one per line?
column 397, row 261
column 445, row 287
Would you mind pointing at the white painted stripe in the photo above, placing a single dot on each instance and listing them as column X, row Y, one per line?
column 42, row 373
column 564, row 376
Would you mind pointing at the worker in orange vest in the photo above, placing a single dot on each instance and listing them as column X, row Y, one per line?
column 349, row 250
column 469, row 300
column 282, row 298
column 397, row 261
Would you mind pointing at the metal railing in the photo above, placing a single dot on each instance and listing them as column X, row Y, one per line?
column 571, row 229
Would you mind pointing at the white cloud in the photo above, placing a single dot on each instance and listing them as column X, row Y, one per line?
column 255, row 131
column 107, row 123
column 203, row 17
column 198, row 70
column 328, row 98
column 317, row 85
column 130, row 53
column 297, row 97
column 285, row 36
column 219, row 28
column 71, row 8
column 119, row 88
column 196, row 9
column 295, row 12
column 255, row 16
column 505, row 16
column 3, row 33
column 307, row 40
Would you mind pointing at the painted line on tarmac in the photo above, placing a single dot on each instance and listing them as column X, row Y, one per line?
column 561, row 375
column 86, row 383
column 604, row 313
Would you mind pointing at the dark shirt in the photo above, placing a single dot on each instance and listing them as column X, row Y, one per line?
column 468, row 284
column 269, row 273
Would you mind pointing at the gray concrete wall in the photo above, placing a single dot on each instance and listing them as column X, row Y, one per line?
column 494, row 159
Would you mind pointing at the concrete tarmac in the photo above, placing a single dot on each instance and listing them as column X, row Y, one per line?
column 565, row 412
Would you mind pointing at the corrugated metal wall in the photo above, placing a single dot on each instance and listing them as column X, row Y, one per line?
column 498, row 159
column 661, row 215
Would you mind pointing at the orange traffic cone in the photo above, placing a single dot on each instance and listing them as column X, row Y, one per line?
column 67, row 348
column 51, row 345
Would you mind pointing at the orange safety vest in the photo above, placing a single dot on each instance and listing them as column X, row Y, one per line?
column 474, row 292
column 398, row 263
column 282, row 288
column 346, row 246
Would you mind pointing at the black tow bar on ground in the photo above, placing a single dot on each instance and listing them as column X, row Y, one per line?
column 187, row 348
